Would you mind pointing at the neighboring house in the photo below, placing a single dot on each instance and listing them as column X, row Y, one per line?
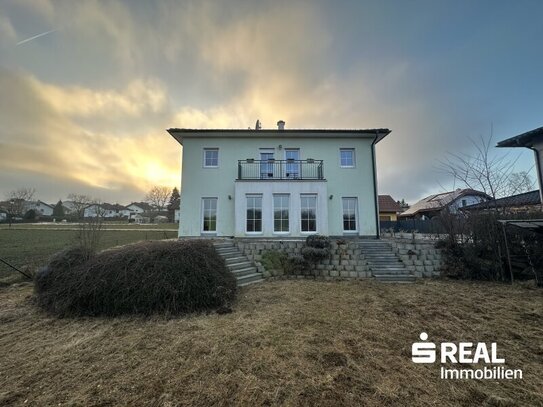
column 176, row 216
column 41, row 208
column 534, row 141
column 3, row 215
column 520, row 203
column 433, row 205
column 106, row 210
column 278, row 183
column 136, row 208
column 70, row 207
column 388, row 208
column 140, row 207
column 140, row 219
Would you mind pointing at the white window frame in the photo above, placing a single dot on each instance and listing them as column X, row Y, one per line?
column 281, row 232
column 356, row 218
column 204, row 163
column 353, row 151
column 310, row 232
column 202, row 220
column 298, row 166
column 261, row 231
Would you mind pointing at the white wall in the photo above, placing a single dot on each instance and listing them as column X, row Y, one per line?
column 198, row 182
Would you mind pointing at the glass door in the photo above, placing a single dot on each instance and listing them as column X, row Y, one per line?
column 266, row 163
column 292, row 156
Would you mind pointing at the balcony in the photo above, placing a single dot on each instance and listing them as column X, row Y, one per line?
column 286, row 170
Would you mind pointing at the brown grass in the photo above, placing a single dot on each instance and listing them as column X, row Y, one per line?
column 286, row 343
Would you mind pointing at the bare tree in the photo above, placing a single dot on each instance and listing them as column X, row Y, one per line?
column 90, row 231
column 17, row 199
column 518, row 183
column 79, row 203
column 158, row 196
column 484, row 170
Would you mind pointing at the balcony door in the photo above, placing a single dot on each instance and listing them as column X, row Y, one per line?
column 292, row 156
column 266, row 162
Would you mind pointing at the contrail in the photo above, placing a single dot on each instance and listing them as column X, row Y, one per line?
column 35, row 36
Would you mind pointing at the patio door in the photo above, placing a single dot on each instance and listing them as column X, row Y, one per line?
column 266, row 162
column 292, row 156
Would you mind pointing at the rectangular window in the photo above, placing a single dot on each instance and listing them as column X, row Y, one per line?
column 209, row 215
column 308, row 214
column 211, row 157
column 254, row 213
column 346, row 157
column 349, row 214
column 280, row 213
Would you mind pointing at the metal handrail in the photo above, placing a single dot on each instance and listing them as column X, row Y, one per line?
column 289, row 169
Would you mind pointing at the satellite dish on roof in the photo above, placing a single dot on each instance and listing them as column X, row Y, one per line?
column 258, row 126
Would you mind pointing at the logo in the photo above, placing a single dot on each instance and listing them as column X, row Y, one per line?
column 463, row 353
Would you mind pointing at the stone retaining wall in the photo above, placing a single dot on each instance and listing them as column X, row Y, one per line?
column 419, row 256
column 344, row 262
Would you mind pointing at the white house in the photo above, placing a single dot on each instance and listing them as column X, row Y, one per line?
column 140, row 207
column 432, row 205
column 106, row 210
column 533, row 140
column 41, row 208
column 278, row 183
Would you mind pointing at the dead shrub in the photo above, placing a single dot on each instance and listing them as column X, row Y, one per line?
column 143, row 278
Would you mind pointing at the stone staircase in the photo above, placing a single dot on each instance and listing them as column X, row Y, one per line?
column 244, row 269
column 384, row 264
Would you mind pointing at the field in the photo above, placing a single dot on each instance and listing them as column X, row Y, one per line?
column 292, row 342
column 30, row 245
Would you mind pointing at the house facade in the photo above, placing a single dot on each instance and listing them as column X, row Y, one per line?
column 106, row 210
column 41, row 208
column 388, row 208
column 533, row 140
column 278, row 183
column 453, row 201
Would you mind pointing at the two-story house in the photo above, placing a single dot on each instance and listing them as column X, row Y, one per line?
column 278, row 183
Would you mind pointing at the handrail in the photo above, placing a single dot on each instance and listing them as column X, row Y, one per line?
column 272, row 169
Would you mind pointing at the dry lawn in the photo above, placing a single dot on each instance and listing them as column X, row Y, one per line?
column 286, row 343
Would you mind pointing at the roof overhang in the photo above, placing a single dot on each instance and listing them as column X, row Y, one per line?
column 533, row 225
column 523, row 140
column 373, row 134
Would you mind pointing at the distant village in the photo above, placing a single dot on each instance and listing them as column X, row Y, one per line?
column 161, row 205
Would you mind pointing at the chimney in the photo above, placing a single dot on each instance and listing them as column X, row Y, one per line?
column 280, row 125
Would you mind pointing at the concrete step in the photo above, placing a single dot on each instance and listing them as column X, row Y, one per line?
column 249, row 279
column 245, row 271
column 240, row 265
column 235, row 259
column 395, row 279
column 382, row 258
column 228, row 252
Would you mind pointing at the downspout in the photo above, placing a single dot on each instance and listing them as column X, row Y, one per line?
column 377, row 223
column 539, row 173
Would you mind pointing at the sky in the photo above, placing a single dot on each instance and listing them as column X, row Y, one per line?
column 88, row 88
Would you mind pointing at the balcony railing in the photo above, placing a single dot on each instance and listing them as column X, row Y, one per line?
column 280, row 169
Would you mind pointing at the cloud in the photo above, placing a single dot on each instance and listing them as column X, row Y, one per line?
column 40, row 134
column 7, row 32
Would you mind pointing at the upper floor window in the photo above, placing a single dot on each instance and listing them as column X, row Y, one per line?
column 211, row 157
column 346, row 157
